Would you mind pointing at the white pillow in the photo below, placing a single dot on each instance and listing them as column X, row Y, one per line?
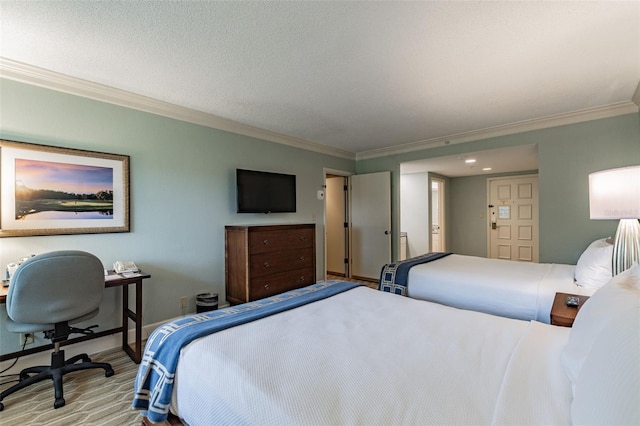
column 594, row 265
column 620, row 294
column 607, row 391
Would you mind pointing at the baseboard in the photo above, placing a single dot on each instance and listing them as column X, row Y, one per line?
column 89, row 347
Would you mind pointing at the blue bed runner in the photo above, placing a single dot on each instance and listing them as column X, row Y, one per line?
column 154, row 381
column 394, row 276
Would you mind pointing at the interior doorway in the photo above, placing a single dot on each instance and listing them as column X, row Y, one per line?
column 438, row 205
column 357, row 211
column 337, row 225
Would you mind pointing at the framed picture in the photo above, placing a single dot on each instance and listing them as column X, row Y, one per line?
column 46, row 190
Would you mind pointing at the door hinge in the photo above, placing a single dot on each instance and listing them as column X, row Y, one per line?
column 346, row 224
column 346, row 260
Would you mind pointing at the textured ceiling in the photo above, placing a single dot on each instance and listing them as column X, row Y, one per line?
column 356, row 76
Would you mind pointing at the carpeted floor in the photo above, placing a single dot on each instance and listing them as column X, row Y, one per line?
column 91, row 398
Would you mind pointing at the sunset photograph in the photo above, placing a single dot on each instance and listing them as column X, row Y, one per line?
column 50, row 190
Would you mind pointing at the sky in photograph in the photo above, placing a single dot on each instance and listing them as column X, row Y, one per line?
column 72, row 178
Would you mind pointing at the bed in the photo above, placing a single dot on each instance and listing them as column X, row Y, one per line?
column 519, row 290
column 333, row 353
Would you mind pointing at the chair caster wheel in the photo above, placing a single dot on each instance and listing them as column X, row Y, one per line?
column 59, row 403
column 1, row 406
column 109, row 373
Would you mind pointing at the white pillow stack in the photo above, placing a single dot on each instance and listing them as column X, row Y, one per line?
column 594, row 268
column 602, row 356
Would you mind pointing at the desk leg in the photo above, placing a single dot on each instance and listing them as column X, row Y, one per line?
column 125, row 320
column 138, row 322
column 127, row 314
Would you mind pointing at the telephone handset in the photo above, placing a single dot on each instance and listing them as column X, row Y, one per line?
column 124, row 267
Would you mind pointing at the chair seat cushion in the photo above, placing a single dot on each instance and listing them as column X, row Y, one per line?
column 16, row 327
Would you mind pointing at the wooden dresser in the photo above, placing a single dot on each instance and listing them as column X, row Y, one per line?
column 263, row 260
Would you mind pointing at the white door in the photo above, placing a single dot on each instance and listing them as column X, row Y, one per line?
column 370, row 224
column 513, row 218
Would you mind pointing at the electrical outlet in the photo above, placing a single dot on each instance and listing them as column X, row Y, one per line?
column 183, row 302
column 26, row 337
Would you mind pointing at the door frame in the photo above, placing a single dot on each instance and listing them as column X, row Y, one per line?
column 344, row 173
column 442, row 221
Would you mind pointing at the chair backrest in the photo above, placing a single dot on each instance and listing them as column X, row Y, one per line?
column 55, row 287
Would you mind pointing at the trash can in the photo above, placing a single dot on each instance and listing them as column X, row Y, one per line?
column 206, row 302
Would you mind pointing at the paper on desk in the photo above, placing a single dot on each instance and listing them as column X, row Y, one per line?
column 112, row 277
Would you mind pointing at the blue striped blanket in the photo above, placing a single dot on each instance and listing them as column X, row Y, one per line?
column 154, row 381
column 394, row 276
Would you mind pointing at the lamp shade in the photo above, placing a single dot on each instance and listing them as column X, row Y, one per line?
column 615, row 193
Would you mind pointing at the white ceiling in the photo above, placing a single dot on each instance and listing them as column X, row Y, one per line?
column 501, row 160
column 355, row 76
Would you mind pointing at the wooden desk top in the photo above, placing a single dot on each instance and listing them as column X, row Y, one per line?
column 117, row 281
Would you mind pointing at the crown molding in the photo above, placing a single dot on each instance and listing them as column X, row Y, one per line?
column 612, row 110
column 18, row 71
column 24, row 73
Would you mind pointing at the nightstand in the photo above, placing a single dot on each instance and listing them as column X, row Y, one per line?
column 564, row 315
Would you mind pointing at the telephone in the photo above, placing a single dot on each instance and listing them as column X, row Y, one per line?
column 123, row 267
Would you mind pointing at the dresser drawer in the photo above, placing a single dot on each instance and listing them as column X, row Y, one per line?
column 269, row 285
column 265, row 241
column 279, row 261
column 263, row 260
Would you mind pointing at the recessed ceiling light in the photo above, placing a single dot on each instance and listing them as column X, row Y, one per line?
column 486, row 169
column 470, row 160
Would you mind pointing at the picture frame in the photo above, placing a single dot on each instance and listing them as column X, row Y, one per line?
column 48, row 190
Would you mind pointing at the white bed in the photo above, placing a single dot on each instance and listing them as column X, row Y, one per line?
column 520, row 290
column 368, row 357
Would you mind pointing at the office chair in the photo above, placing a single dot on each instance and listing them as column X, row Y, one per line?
column 47, row 293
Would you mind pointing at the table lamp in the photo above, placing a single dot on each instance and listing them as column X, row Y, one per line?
column 615, row 194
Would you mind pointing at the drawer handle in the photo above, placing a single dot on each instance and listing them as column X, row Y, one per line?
column 265, row 242
column 266, row 286
column 302, row 279
column 301, row 258
column 266, row 264
column 302, row 238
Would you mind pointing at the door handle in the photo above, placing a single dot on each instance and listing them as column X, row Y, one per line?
column 387, row 232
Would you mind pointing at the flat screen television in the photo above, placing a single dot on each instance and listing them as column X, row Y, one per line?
column 265, row 192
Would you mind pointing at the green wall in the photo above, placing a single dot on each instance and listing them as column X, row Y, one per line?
column 567, row 154
column 183, row 190
column 182, row 193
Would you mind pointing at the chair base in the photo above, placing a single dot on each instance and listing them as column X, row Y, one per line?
column 58, row 368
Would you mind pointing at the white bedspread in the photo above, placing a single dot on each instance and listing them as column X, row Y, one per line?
column 367, row 357
column 520, row 290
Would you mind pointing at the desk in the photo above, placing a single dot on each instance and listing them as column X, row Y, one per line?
column 112, row 280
